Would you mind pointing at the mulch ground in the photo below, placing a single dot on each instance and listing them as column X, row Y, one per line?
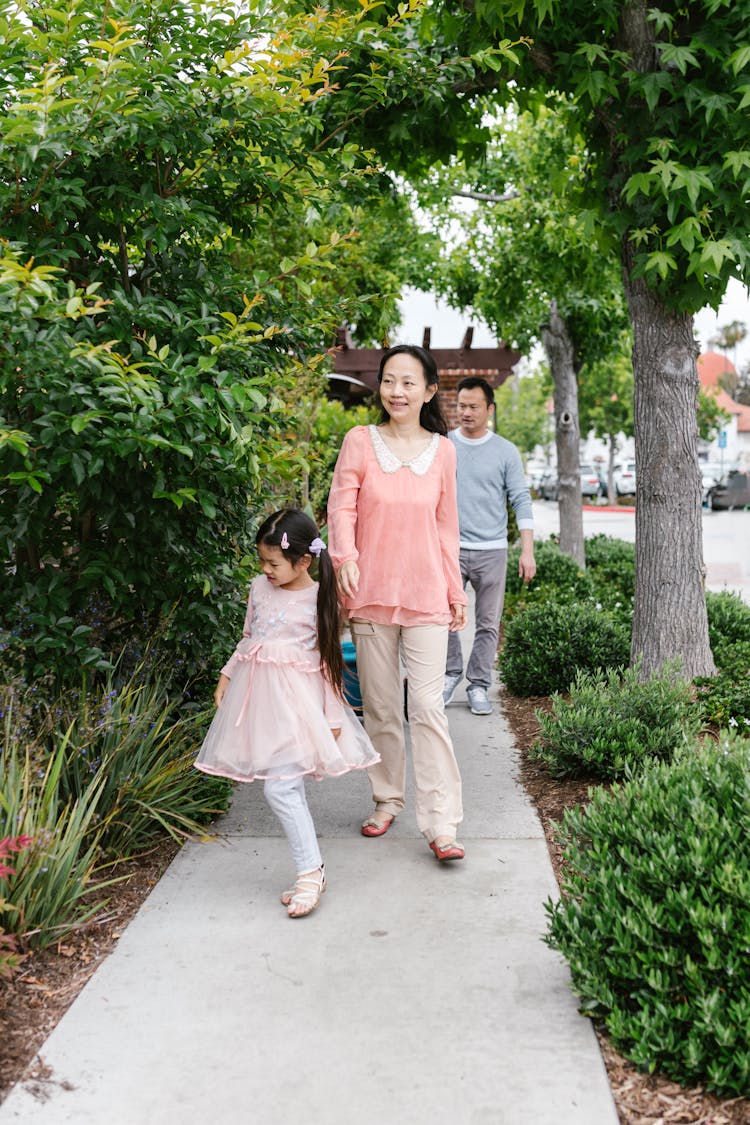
column 47, row 982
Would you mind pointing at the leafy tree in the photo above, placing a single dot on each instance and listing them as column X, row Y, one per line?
column 710, row 415
column 606, row 403
column 525, row 262
column 521, row 410
column 663, row 94
column 174, row 209
column 727, row 338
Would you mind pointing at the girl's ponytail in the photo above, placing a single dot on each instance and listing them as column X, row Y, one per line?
column 329, row 623
column 299, row 534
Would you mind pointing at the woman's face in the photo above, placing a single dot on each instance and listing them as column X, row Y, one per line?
column 403, row 387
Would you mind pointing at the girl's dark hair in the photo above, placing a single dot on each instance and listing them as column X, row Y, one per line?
column 300, row 531
column 430, row 416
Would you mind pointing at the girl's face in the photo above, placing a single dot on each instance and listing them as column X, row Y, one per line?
column 281, row 571
column 403, row 387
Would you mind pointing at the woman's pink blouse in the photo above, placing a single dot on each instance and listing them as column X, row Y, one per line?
column 402, row 531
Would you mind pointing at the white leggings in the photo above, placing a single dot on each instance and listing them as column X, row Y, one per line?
column 286, row 797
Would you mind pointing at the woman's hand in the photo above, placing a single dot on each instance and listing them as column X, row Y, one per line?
column 458, row 618
column 348, row 579
column 221, row 688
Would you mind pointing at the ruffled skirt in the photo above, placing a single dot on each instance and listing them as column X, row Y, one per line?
column 272, row 724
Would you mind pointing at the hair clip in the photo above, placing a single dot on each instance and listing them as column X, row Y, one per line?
column 284, row 542
column 316, row 547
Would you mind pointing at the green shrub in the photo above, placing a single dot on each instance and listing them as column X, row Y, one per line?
column 49, row 893
column 94, row 775
column 729, row 629
column 654, row 915
column 558, row 578
column 129, row 741
column 547, row 645
column 725, row 699
column 9, row 950
column 614, row 722
column 610, row 565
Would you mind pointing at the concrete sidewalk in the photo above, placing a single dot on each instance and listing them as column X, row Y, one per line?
column 417, row 994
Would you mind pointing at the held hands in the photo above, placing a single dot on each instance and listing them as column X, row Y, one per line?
column 221, row 688
column 348, row 579
column 458, row 618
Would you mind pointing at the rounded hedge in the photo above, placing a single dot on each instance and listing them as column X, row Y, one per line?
column 654, row 914
column 547, row 645
column 615, row 722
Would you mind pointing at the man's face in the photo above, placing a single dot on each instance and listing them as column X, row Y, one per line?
column 473, row 412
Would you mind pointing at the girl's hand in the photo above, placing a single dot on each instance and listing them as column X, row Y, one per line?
column 221, row 688
column 348, row 579
column 458, row 618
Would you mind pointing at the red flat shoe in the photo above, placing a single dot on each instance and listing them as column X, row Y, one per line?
column 447, row 851
column 373, row 827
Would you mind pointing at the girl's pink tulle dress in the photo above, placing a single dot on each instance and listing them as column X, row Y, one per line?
column 278, row 712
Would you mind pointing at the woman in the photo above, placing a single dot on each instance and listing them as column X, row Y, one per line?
column 393, row 529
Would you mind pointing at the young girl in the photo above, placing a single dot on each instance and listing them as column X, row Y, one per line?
column 280, row 713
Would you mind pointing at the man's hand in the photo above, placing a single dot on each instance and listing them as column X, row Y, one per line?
column 348, row 579
column 526, row 566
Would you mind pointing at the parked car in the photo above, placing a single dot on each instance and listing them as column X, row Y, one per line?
column 591, row 486
column 548, row 485
column 711, row 473
column 731, row 492
column 624, row 475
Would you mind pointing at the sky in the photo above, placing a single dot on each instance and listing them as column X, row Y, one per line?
column 421, row 310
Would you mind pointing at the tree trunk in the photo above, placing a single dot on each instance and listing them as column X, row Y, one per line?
column 611, row 452
column 670, row 606
column 560, row 355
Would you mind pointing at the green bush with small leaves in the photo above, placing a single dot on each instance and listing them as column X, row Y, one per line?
column 725, row 699
column 558, row 578
column 610, row 565
column 729, row 630
column 547, row 645
column 654, row 914
column 614, row 722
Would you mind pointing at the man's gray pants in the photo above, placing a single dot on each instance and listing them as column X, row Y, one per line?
column 485, row 572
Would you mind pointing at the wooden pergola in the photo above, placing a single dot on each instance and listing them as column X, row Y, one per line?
column 355, row 370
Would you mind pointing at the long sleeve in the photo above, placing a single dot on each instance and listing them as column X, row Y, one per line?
column 447, row 525
column 518, row 491
column 247, row 630
column 342, row 501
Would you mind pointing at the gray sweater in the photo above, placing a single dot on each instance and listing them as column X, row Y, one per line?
column 490, row 473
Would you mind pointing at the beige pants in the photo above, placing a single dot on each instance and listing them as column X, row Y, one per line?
column 437, row 782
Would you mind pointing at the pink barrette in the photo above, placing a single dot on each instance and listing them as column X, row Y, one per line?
column 316, row 547
column 284, row 542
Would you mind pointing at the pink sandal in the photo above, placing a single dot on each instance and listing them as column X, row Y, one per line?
column 372, row 827
column 451, row 850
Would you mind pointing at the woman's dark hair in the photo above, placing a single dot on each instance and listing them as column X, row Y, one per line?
column 430, row 416
column 300, row 532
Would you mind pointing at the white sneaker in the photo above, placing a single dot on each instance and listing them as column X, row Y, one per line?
column 450, row 684
column 479, row 702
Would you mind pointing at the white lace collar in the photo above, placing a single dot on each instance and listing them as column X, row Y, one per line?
column 390, row 463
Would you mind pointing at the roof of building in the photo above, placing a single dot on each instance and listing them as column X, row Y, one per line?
column 711, row 367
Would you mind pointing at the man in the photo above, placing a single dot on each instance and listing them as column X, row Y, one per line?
column 490, row 473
